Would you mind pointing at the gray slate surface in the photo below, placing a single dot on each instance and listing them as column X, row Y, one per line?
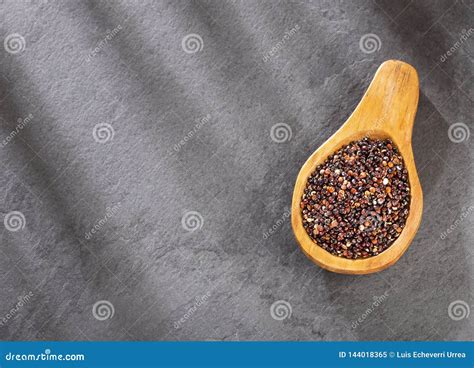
column 221, row 280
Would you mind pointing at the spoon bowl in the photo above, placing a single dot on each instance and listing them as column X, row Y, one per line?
column 387, row 110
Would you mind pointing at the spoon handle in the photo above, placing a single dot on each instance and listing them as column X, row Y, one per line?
column 389, row 104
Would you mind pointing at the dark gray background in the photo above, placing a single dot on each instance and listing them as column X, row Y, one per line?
column 239, row 180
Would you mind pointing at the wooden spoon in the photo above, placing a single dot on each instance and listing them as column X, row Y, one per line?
column 387, row 110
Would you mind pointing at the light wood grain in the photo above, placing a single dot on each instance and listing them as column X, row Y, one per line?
column 387, row 110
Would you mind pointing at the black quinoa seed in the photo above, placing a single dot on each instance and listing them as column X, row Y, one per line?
column 356, row 203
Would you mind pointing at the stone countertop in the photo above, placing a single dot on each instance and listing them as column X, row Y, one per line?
column 149, row 154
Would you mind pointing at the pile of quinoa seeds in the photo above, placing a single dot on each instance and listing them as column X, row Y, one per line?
column 356, row 203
